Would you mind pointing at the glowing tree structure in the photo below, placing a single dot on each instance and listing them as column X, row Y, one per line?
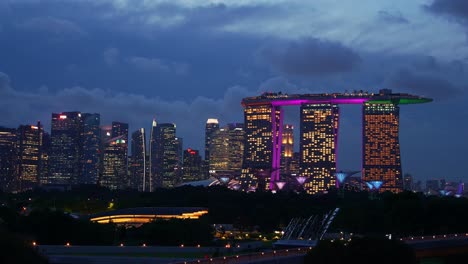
column 280, row 185
column 341, row 177
column 374, row 187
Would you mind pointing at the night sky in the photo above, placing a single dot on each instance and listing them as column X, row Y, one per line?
column 184, row 61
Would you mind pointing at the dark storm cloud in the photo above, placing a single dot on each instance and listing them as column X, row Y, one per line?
column 309, row 57
column 424, row 84
column 456, row 8
column 392, row 17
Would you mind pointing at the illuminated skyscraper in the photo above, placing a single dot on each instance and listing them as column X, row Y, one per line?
column 192, row 166
column 166, row 155
column 29, row 155
column 179, row 146
column 91, row 148
column 138, row 164
column 287, row 149
column 120, row 130
column 152, row 156
column 212, row 125
column 319, row 133
column 114, row 175
column 381, row 153
column 8, row 160
column 227, row 150
column 66, row 148
column 219, row 150
column 45, row 153
column 236, row 147
column 258, row 150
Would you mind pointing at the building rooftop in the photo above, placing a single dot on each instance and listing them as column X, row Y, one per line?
column 385, row 96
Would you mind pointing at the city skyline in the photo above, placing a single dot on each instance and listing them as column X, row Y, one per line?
column 130, row 62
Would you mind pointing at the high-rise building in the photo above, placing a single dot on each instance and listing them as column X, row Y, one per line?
column 287, row 149
column 114, row 175
column 219, row 150
column 258, row 148
column 29, row 155
column 381, row 153
column 318, row 135
column 236, row 147
column 106, row 135
column 120, row 130
column 211, row 126
column 66, row 148
column 179, row 146
column 408, row 182
column 166, row 155
column 192, row 166
column 8, row 160
column 227, row 150
column 138, row 164
column 45, row 153
column 152, row 156
column 91, row 148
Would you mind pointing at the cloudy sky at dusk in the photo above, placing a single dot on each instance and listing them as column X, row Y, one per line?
column 184, row 61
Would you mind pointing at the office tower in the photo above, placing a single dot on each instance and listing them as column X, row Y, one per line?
column 138, row 163
column 166, row 155
column 295, row 165
column 114, row 175
column 227, row 150
column 152, row 156
column 8, row 160
column 211, row 126
column 408, row 182
column 318, row 136
column 66, row 148
column 45, row 156
column 91, row 148
column 192, row 166
column 179, row 146
column 261, row 123
column 29, row 155
column 287, row 149
column 236, row 147
column 219, row 150
column 120, row 130
column 106, row 135
column 381, row 147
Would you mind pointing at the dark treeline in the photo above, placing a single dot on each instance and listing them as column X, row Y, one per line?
column 401, row 214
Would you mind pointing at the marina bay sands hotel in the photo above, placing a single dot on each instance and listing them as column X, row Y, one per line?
column 319, row 120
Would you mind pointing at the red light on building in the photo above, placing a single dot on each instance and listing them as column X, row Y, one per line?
column 191, row 151
column 63, row 117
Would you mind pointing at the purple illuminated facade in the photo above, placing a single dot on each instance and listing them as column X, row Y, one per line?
column 263, row 130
